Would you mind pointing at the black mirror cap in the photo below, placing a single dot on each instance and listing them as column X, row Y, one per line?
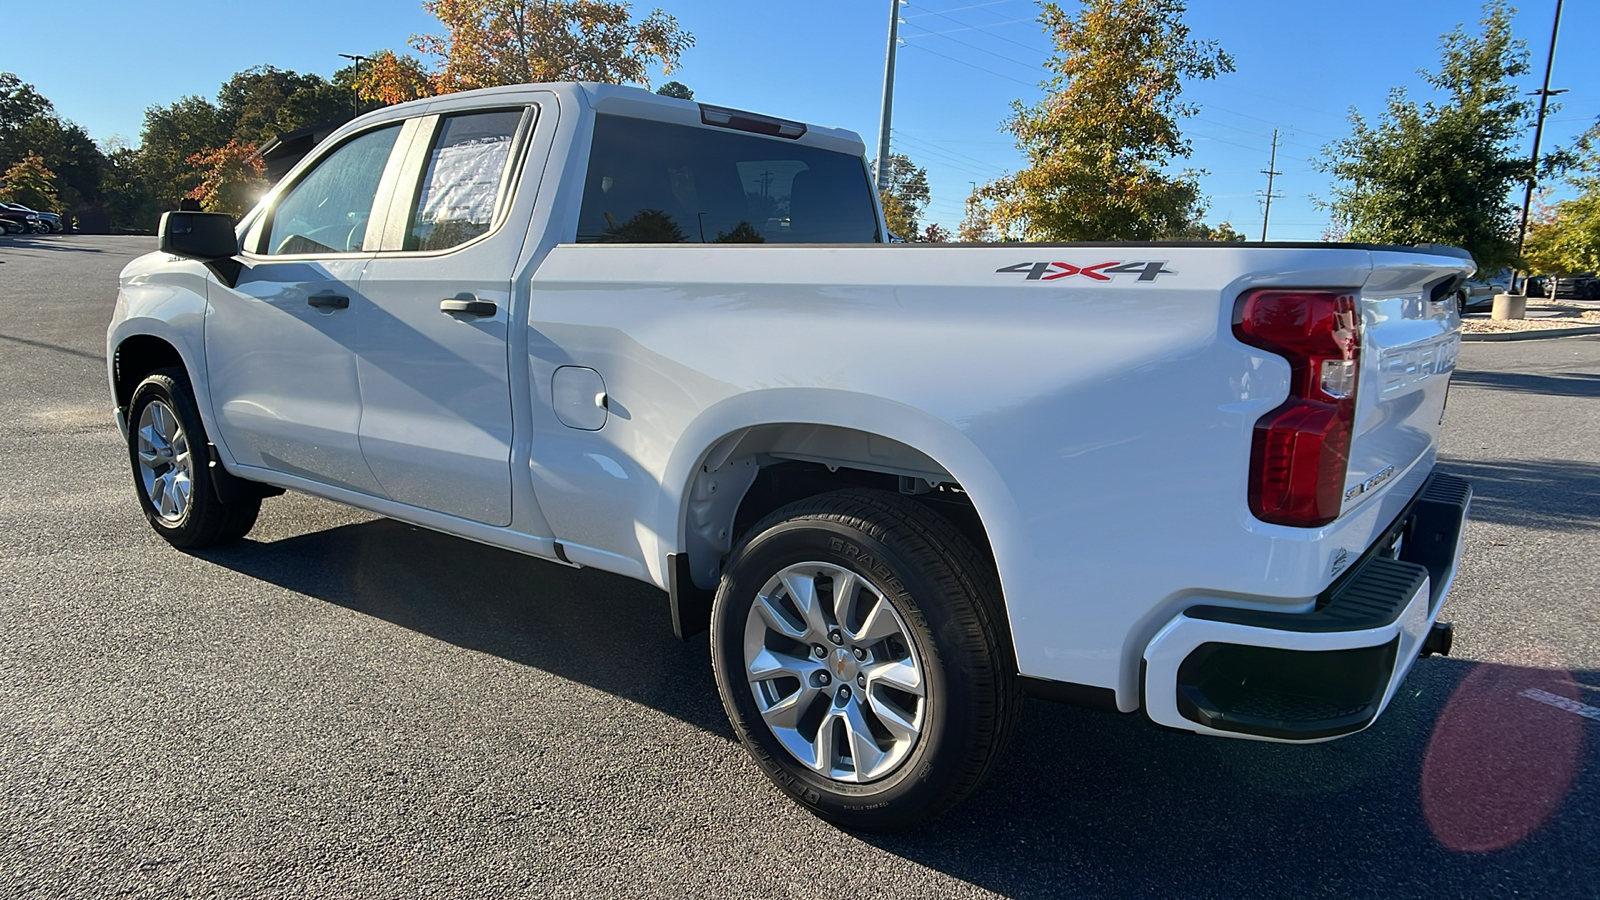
column 199, row 235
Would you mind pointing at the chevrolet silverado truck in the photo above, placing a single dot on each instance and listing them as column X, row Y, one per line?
column 902, row 485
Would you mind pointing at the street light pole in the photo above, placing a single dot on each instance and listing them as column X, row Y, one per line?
column 888, row 97
column 358, row 59
column 1538, row 130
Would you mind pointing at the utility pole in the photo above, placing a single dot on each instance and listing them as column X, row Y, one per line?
column 888, row 97
column 1538, row 130
column 1271, row 171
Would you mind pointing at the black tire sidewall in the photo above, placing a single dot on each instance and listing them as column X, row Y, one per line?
column 927, row 775
column 173, row 389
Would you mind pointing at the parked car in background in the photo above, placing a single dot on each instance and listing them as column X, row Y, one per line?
column 1478, row 292
column 28, row 220
column 1581, row 286
column 52, row 221
column 7, row 226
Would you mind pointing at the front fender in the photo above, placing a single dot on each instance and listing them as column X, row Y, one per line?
column 168, row 303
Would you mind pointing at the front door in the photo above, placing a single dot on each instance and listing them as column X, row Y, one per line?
column 280, row 343
column 436, row 425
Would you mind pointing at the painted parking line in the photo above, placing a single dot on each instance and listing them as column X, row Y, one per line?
column 1560, row 702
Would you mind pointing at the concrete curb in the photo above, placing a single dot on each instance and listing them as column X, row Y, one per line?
column 1534, row 335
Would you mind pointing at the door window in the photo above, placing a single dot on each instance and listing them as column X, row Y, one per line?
column 330, row 209
column 462, row 185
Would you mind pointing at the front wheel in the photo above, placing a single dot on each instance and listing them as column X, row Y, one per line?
column 171, row 473
column 857, row 641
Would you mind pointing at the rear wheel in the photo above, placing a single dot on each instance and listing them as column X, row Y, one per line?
column 171, row 472
column 857, row 644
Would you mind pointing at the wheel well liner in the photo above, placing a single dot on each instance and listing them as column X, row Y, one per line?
column 750, row 473
column 136, row 357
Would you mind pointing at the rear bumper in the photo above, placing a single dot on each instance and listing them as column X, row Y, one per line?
column 1321, row 674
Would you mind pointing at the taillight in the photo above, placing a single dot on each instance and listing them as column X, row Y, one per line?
column 1301, row 450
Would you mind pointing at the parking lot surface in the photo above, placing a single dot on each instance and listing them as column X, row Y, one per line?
column 342, row 705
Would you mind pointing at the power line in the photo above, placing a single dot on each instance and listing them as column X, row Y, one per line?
column 998, row 37
column 1010, row 59
column 960, row 8
column 970, row 65
column 982, row 162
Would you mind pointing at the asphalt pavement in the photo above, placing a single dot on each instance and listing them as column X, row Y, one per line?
column 345, row 706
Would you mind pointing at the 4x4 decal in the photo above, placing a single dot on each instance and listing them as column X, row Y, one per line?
column 1050, row 271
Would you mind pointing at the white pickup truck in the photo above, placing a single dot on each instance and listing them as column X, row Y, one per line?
column 903, row 485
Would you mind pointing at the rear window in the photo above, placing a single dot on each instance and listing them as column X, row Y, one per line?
column 659, row 183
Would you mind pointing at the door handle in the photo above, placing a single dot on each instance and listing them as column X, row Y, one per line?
column 328, row 301
column 473, row 307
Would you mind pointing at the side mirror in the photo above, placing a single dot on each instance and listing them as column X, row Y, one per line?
column 204, row 236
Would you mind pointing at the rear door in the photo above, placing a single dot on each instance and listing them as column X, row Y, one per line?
column 436, row 425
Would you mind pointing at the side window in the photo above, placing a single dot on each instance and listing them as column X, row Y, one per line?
column 329, row 210
column 462, row 184
column 655, row 182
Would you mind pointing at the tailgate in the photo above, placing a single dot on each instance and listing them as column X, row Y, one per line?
column 1409, row 345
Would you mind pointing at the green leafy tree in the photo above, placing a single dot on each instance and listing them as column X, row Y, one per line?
column 129, row 201
column 934, row 234
column 30, row 183
column 29, row 126
column 1099, row 145
column 249, row 103
column 314, row 104
column 1566, row 238
column 172, row 135
column 676, row 89
column 906, row 196
column 1442, row 171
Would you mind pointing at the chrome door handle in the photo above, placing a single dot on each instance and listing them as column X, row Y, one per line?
column 328, row 301
column 468, row 307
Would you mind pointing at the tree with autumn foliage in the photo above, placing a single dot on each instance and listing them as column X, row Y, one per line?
column 487, row 43
column 31, row 183
column 389, row 78
column 1099, row 145
column 233, row 178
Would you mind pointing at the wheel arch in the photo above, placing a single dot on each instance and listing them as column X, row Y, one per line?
column 720, row 456
column 134, row 358
column 137, row 346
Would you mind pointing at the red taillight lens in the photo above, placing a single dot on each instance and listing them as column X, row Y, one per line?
column 1301, row 450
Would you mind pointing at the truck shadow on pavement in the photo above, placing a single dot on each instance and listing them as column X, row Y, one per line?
column 1554, row 494
column 42, row 242
column 1565, row 384
column 1464, row 782
column 606, row 631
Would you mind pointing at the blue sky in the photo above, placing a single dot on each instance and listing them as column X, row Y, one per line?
column 1301, row 66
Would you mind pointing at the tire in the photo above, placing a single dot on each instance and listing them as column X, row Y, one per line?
column 1461, row 303
column 926, row 611
column 166, row 447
